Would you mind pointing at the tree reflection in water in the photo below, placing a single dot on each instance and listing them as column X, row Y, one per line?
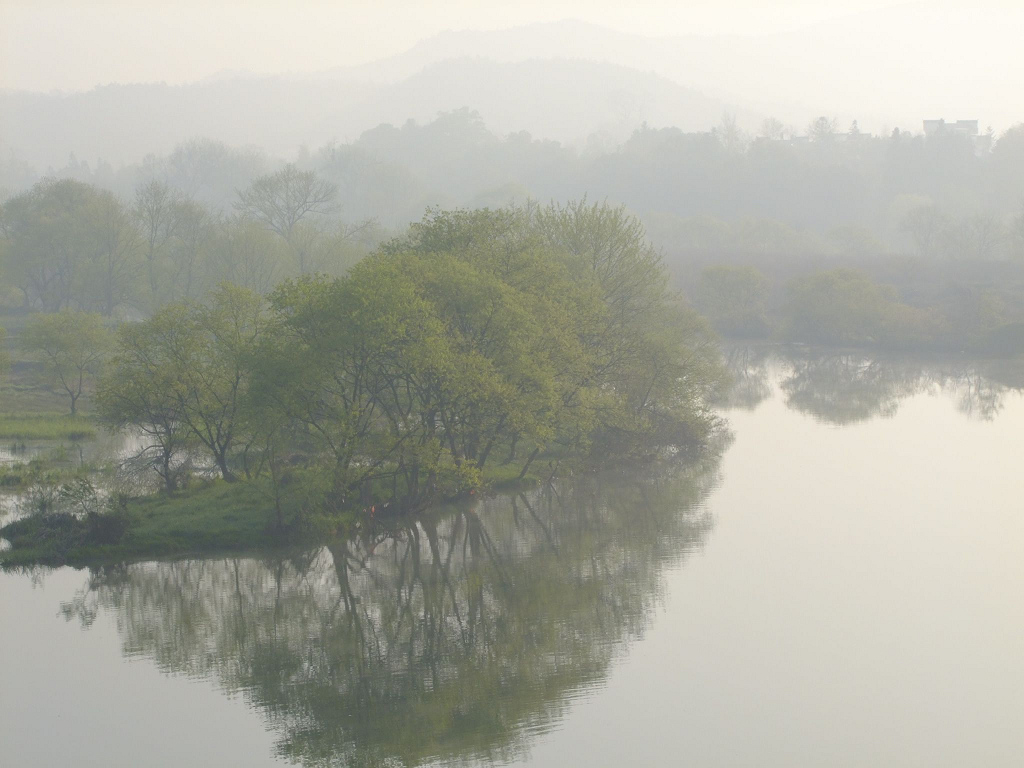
column 454, row 637
column 845, row 388
column 751, row 381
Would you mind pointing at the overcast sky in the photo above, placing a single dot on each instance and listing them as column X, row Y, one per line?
column 75, row 44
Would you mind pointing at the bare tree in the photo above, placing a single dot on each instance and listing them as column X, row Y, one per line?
column 194, row 226
column 281, row 200
column 926, row 226
column 117, row 262
column 729, row 134
column 772, row 129
column 154, row 212
column 823, row 129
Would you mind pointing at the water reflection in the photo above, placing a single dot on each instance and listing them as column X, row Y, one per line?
column 751, row 380
column 844, row 388
column 452, row 638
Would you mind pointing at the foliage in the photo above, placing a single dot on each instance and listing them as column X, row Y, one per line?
column 734, row 299
column 72, row 245
column 180, row 378
column 5, row 355
column 72, row 347
column 845, row 307
column 484, row 334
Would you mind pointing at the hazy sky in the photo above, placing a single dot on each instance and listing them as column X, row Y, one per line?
column 75, row 44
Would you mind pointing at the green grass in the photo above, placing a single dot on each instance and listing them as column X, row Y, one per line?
column 218, row 516
column 45, row 426
column 505, row 477
column 215, row 517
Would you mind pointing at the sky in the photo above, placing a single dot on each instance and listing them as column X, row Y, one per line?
column 75, row 45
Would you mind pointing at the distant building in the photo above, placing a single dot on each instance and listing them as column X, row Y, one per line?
column 969, row 128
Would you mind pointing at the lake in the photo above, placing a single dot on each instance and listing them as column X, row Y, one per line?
column 842, row 585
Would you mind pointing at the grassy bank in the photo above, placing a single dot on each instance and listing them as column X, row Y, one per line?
column 45, row 426
column 215, row 517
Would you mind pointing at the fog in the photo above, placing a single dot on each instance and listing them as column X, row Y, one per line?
column 882, row 62
column 511, row 383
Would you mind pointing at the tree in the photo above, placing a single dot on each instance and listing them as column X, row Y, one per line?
column 1017, row 236
column 5, row 355
column 284, row 199
column 926, row 226
column 734, row 299
column 138, row 392
column 730, row 135
column 247, row 254
column 72, row 347
column 288, row 202
column 185, row 370
column 72, row 245
column 844, row 306
column 116, row 266
column 823, row 129
column 194, row 228
column 213, row 358
column 772, row 129
column 974, row 237
column 52, row 237
column 153, row 210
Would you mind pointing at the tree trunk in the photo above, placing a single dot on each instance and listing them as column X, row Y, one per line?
column 529, row 461
column 222, row 465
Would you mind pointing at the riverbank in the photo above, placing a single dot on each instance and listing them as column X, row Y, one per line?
column 213, row 517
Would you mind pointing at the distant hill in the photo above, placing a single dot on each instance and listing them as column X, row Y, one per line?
column 562, row 99
column 566, row 81
column 886, row 67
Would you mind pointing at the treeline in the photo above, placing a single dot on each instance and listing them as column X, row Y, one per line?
column 69, row 245
column 835, row 191
column 843, row 306
column 477, row 344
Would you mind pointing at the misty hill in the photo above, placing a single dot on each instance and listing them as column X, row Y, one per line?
column 893, row 66
column 562, row 99
column 569, row 39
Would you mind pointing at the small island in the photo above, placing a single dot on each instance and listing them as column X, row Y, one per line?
column 481, row 349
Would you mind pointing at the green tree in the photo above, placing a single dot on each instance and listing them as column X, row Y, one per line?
column 288, row 202
column 213, row 359
column 5, row 353
column 138, row 392
column 182, row 376
column 154, row 214
column 72, row 246
column 844, row 306
column 72, row 347
column 734, row 299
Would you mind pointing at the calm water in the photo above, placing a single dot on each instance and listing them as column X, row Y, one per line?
column 842, row 587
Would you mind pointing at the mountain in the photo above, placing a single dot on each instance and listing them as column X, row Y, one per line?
column 562, row 99
column 891, row 66
column 567, row 81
